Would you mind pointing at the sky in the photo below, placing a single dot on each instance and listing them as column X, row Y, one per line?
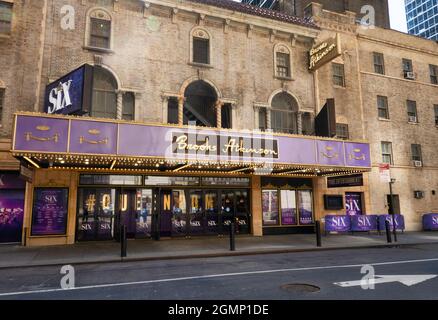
column 398, row 15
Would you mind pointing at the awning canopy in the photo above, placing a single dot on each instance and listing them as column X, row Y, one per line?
column 67, row 142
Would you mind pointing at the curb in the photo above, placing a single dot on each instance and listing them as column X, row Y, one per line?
column 216, row 255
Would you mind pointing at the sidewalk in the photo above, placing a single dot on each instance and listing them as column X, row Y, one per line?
column 98, row 252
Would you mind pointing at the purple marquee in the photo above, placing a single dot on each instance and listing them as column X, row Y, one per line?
column 58, row 134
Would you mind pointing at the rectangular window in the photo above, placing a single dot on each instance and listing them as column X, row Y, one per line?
column 387, row 152
column 379, row 65
column 5, row 17
column 262, row 119
column 416, row 152
column 382, row 106
column 172, row 111
column 338, row 75
column 433, row 74
column 283, row 65
column 201, row 50
column 288, row 208
column 342, row 131
column 435, row 107
column 412, row 111
column 128, row 106
column 100, row 33
column 2, row 102
column 408, row 69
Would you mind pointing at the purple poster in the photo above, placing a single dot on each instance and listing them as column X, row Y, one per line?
column 305, row 206
column 270, row 207
column 353, row 204
column 398, row 218
column 337, row 223
column 430, row 221
column 364, row 223
column 50, row 211
column 11, row 215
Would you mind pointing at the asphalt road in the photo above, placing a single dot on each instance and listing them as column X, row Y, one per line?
column 264, row 277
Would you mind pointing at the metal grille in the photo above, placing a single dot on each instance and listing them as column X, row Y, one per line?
column 201, row 50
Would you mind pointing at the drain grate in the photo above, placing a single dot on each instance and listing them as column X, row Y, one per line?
column 300, row 288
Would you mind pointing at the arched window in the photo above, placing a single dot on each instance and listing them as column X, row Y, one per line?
column 199, row 105
column 104, row 94
column 99, row 29
column 282, row 61
column 284, row 111
column 200, row 46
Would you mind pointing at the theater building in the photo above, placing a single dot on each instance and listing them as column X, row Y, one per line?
column 176, row 119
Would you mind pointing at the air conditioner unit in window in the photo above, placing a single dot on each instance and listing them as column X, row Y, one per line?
column 418, row 163
column 413, row 119
column 418, row 194
column 410, row 75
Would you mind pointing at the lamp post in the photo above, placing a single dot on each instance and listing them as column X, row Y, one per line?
column 391, row 209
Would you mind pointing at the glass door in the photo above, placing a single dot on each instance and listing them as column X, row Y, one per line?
column 211, row 211
column 143, row 213
column 196, row 213
column 179, row 213
column 227, row 210
column 242, row 211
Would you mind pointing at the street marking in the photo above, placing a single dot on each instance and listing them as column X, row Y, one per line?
column 407, row 280
column 109, row 285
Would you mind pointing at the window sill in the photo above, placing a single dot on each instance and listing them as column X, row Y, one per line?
column 284, row 78
column 413, row 123
column 5, row 35
column 97, row 49
column 339, row 87
column 384, row 119
column 201, row 65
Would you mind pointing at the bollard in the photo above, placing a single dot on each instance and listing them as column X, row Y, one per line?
column 123, row 241
column 388, row 232
column 232, row 236
column 318, row 233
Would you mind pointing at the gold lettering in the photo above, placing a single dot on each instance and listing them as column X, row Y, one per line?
column 166, row 202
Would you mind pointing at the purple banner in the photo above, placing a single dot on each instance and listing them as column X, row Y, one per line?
column 364, row 223
column 92, row 137
column 41, row 134
column 50, row 134
column 11, row 215
column 399, row 221
column 430, row 221
column 337, row 223
column 330, row 153
column 50, row 211
column 305, row 207
column 353, row 204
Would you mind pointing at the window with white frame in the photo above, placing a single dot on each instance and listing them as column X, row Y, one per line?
column 416, row 152
column 433, row 74
column 379, row 65
column 412, row 111
column 382, row 107
column 99, row 29
column 338, row 74
column 387, row 152
column 5, row 17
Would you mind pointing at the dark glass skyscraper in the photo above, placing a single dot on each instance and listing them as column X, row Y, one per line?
column 422, row 18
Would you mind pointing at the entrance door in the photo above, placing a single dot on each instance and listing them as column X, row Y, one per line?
column 196, row 213
column 136, row 212
column 227, row 210
column 179, row 213
column 242, row 212
column 128, row 212
column 211, row 212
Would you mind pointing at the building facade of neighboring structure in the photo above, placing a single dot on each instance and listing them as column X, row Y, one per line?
column 422, row 18
column 199, row 113
column 360, row 7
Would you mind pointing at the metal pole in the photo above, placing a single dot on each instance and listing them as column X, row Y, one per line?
column 232, row 237
column 391, row 211
column 318, row 233
column 388, row 231
column 123, row 241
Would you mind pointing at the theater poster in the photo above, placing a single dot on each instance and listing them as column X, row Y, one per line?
column 305, row 207
column 50, row 211
column 11, row 215
column 353, row 204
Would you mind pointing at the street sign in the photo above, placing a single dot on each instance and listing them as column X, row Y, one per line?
column 407, row 280
column 385, row 175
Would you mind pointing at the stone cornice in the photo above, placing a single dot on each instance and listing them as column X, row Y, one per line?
column 307, row 34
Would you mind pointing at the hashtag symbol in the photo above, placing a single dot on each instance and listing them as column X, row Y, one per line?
column 91, row 201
